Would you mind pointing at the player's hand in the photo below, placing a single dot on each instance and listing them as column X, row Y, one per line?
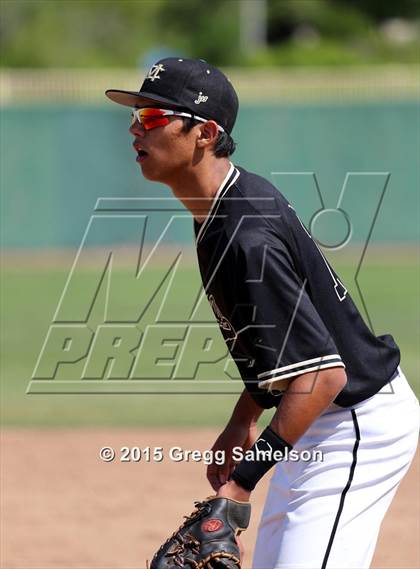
column 241, row 549
column 234, row 435
column 233, row 491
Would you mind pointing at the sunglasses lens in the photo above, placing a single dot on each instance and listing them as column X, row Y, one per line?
column 150, row 118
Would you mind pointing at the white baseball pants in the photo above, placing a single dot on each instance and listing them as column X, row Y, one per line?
column 327, row 514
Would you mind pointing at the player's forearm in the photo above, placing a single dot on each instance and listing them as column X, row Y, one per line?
column 305, row 399
column 246, row 411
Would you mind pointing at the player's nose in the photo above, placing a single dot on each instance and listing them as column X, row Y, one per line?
column 136, row 129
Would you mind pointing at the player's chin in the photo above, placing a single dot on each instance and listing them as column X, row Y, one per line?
column 153, row 172
column 149, row 171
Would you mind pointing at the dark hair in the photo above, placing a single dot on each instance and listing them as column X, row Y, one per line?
column 225, row 145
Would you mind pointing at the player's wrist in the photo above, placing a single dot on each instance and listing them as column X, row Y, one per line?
column 233, row 491
column 266, row 452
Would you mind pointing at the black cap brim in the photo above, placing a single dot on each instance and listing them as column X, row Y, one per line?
column 136, row 99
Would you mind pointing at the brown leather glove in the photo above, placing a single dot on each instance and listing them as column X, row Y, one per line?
column 208, row 537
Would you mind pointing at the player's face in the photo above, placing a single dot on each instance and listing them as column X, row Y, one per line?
column 165, row 152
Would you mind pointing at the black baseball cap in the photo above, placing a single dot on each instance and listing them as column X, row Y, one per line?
column 189, row 84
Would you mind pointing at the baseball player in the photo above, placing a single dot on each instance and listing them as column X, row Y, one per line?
column 297, row 338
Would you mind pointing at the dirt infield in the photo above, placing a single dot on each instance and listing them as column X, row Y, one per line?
column 63, row 508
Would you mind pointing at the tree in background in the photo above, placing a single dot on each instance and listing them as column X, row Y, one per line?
column 96, row 33
column 381, row 10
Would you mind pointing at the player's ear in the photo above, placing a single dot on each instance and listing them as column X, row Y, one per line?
column 208, row 133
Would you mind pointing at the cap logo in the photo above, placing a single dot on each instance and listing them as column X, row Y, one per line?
column 201, row 98
column 154, row 71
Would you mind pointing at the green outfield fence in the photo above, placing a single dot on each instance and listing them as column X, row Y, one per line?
column 64, row 146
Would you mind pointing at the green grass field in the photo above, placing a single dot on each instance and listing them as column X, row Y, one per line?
column 29, row 298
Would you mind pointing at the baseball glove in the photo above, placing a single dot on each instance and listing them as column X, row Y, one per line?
column 207, row 538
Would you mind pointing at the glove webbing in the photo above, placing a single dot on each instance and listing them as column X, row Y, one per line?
column 205, row 563
column 200, row 510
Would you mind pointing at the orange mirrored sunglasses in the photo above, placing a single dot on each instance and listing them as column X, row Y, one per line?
column 150, row 117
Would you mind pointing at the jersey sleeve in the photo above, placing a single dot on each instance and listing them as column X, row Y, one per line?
column 275, row 319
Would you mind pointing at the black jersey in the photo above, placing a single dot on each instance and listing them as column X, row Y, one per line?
column 281, row 308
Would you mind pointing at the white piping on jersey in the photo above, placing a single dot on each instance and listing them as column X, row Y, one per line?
column 300, row 364
column 268, row 382
column 224, row 187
